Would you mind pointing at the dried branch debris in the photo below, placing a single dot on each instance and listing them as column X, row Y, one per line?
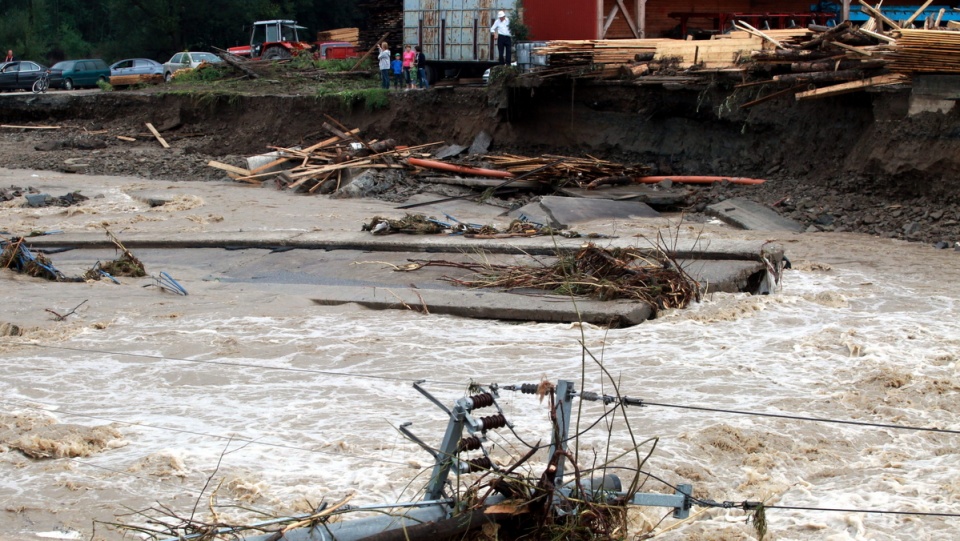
column 592, row 272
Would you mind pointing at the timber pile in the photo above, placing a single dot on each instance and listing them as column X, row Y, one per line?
column 350, row 35
column 383, row 17
column 930, row 51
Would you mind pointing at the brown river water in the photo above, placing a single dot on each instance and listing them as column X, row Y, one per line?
column 281, row 403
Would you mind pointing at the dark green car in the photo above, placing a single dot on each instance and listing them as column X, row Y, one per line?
column 80, row 73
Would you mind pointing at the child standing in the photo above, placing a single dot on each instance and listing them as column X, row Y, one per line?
column 409, row 57
column 397, row 66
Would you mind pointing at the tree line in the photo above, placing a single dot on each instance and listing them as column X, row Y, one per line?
column 52, row 30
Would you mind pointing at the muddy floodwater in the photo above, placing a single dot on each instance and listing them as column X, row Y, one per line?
column 253, row 393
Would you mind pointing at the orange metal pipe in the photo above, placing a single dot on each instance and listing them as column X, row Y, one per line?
column 700, row 180
column 444, row 166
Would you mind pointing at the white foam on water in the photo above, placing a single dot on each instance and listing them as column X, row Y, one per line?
column 300, row 408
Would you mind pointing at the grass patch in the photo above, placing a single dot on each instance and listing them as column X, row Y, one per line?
column 105, row 86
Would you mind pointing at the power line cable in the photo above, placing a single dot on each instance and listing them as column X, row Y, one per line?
column 638, row 402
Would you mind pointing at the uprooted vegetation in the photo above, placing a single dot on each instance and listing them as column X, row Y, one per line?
column 592, row 272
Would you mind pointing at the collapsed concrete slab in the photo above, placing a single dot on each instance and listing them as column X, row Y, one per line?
column 656, row 197
column 563, row 212
column 488, row 305
column 746, row 214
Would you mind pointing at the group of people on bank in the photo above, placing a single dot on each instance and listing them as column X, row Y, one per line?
column 409, row 69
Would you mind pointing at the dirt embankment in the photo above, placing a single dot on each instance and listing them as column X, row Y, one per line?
column 850, row 163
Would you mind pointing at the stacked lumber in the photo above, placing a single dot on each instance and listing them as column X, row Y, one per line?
column 350, row 35
column 930, row 51
column 383, row 17
column 708, row 54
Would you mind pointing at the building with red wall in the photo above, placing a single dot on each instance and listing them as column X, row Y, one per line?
column 611, row 19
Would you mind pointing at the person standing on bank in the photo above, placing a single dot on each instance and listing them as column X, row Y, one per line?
column 501, row 34
column 421, row 65
column 9, row 57
column 384, row 61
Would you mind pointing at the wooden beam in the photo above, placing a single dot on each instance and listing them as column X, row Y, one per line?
column 853, row 86
column 626, row 15
column 917, row 13
column 608, row 21
column 229, row 168
column 751, row 30
column 846, row 10
column 877, row 35
column 642, row 18
column 16, row 127
column 878, row 14
column 156, row 134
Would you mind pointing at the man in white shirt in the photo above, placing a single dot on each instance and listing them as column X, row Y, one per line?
column 501, row 34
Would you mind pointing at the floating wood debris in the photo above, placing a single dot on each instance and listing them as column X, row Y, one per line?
column 593, row 272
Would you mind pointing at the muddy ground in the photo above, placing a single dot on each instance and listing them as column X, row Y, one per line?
column 856, row 163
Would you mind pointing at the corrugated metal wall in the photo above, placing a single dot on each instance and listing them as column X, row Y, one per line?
column 561, row 19
column 452, row 30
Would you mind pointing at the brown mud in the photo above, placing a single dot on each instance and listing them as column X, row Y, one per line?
column 857, row 163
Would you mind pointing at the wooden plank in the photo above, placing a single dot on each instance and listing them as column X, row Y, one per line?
column 876, row 35
column 156, row 134
column 853, row 86
column 917, row 13
column 878, row 14
column 16, row 127
column 230, row 168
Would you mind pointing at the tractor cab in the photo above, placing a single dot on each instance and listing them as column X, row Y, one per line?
column 273, row 40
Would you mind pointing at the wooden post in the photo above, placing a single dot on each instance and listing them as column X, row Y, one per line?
column 642, row 17
column 846, row 10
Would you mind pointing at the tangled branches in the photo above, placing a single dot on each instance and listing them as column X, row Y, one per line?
column 593, row 272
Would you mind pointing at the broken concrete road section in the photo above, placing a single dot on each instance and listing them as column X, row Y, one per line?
column 747, row 214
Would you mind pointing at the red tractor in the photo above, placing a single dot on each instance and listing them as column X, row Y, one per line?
column 278, row 40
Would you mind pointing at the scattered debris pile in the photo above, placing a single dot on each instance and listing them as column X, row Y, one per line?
column 593, row 272
column 334, row 163
column 19, row 258
column 419, row 224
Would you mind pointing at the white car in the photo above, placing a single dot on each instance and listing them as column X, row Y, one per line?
column 187, row 60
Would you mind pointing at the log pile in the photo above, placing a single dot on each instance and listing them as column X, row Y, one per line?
column 383, row 16
column 349, row 35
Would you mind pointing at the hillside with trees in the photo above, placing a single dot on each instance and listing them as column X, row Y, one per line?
column 51, row 30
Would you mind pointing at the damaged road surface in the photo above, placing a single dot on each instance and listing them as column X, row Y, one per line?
column 369, row 272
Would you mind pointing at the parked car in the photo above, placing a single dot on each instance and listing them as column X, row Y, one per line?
column 136, row 66
column 187, row 60
column 21, row 74
column 80, row 73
